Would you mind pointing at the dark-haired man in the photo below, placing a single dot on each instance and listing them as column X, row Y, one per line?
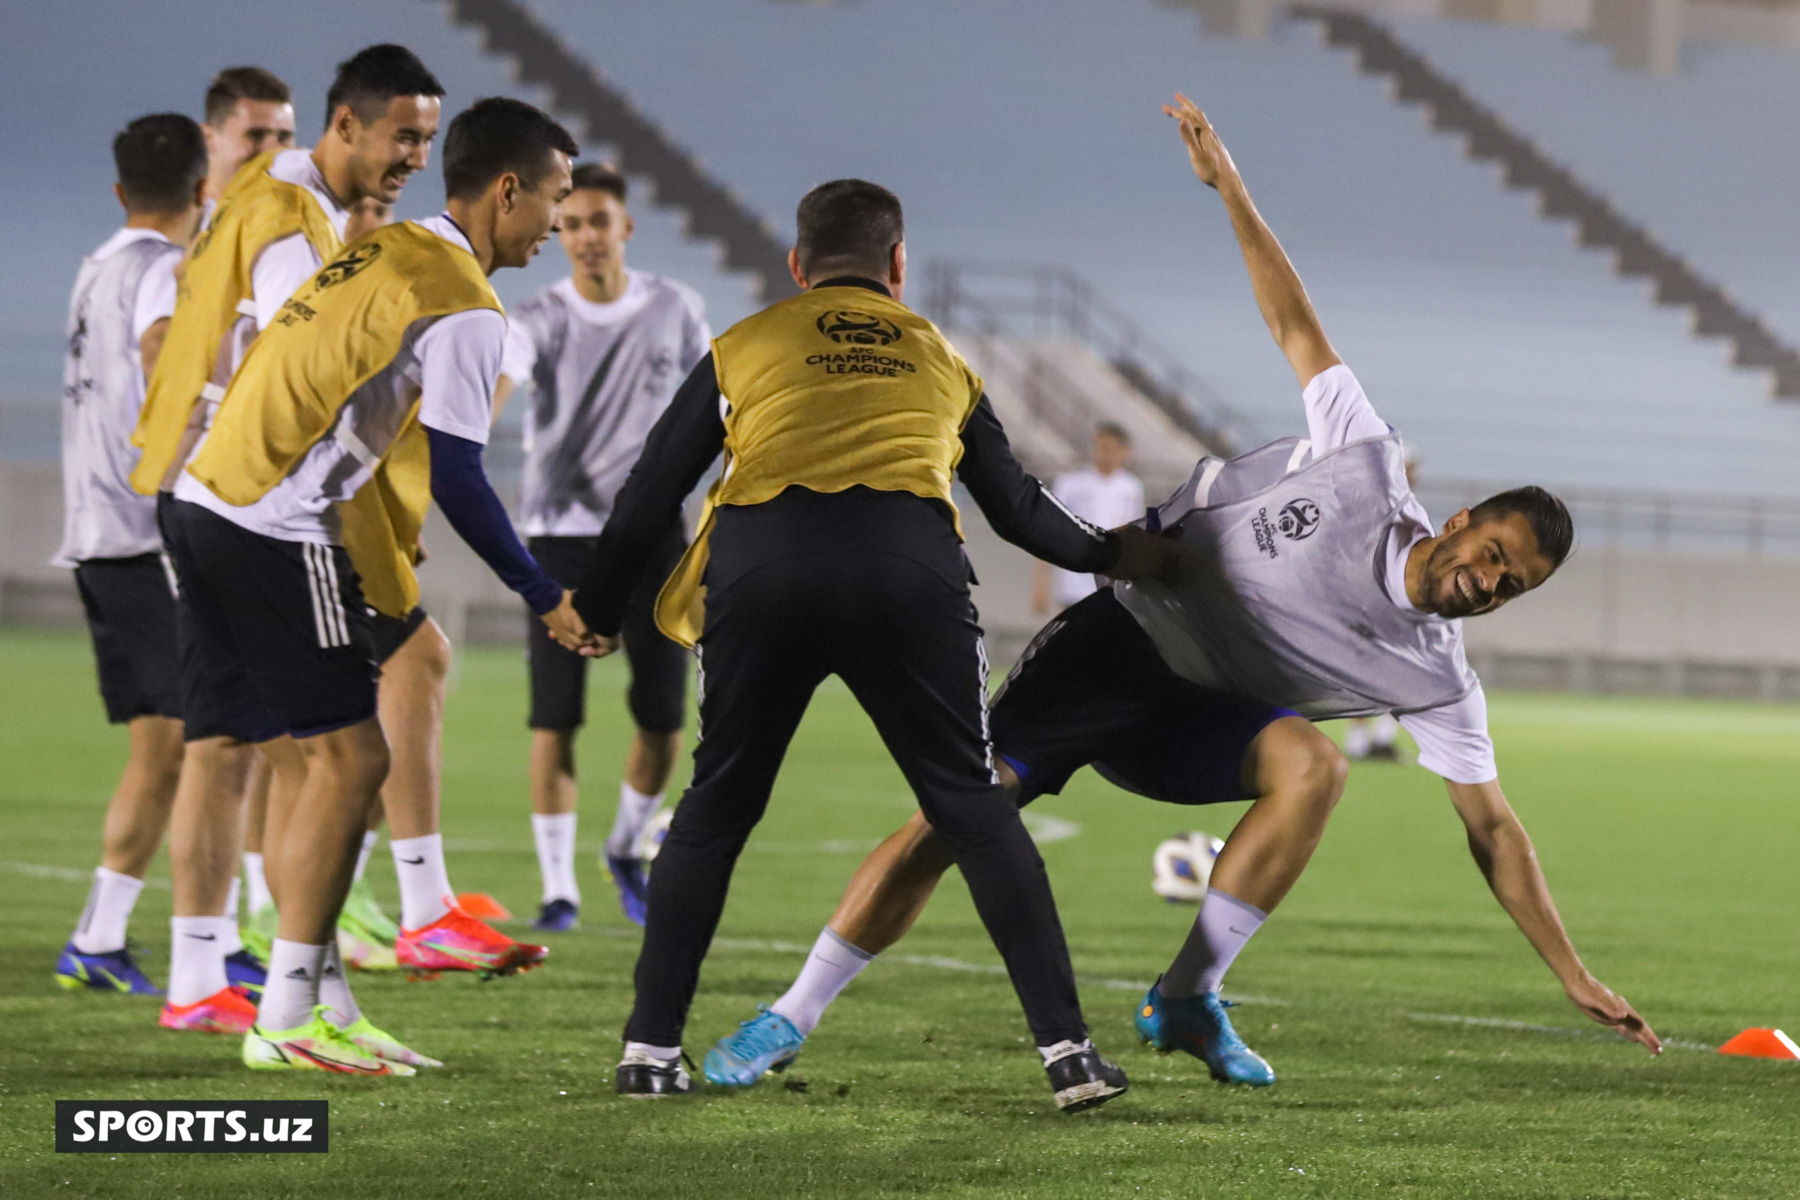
column 249, row 112
column 830, row 546
column 367, row 398
column 603, row 351
column 1315, row 588
column 118, row 316
column 283, row 215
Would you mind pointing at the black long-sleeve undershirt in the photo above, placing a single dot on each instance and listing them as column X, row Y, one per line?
column 691, row 434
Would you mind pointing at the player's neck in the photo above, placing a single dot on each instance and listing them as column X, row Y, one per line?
column 476, row 220
column 178, row 227
column 603, row 288
column 1416, row 558
column 334, row 169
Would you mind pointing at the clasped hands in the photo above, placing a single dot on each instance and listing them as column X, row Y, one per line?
column 572, row 633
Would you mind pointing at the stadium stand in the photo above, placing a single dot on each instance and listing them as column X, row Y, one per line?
column 1563, row 196
column 1701, row 159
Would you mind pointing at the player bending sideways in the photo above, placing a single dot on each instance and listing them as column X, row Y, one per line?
column 603, row 351
column 368, row 397
column 1314, row 588
column 118, row 317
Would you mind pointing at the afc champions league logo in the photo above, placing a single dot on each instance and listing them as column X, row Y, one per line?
column 1298, row 519
column 848, row 327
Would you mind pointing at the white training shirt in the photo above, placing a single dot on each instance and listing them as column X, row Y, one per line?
column 1107, row 501
column 1453, row 740
column 600, row 375
column 453, row 360
column 287, row 263
column 116, row 300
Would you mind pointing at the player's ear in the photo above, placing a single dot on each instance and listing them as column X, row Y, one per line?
column 794, row 268
column 344, row 123
column 897, row 266
column 119, row 191
column 630, row 227
column 1458, row 522
column 506, row 192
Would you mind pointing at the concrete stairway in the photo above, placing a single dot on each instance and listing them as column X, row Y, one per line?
column 1562, row 195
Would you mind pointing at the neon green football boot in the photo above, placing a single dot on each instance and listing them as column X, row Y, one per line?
column 317, row 1045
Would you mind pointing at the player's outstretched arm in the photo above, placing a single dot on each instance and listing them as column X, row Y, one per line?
column 1279, row 292
column 1504, row 852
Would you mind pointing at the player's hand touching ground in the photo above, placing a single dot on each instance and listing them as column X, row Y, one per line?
column 1212, row 163
column 1609, row 1008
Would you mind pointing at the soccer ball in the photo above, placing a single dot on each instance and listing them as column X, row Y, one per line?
column 1182, row 867
column 650, row 841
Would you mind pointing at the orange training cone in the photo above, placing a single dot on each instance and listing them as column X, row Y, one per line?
column 483, row 907
column 1762, row 1043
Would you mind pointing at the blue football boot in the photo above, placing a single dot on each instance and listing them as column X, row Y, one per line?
column 114, row 971
column 1197, row 1025
column 767, row 1042
column 633, row 884
column 557, row 916
column 246, row 972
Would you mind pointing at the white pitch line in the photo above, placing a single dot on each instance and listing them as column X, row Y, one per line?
column 938, row 962
column 1551, row 1030
column 67, row 874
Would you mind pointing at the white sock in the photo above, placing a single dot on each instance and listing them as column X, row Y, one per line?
column 233, row 943
column 1356, row 739
column 334, row 988
column 197, row 957
column 259, row 897
column 660, row 1053
column 635, row 811
column 1384, row 729
column 829, row 969
column 425, row 893
column 1225, row 923
column 109, row 904
column 555, row 836
column 293, row 988
column 368, row 847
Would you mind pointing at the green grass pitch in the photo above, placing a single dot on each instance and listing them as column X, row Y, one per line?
column 1423, row 1050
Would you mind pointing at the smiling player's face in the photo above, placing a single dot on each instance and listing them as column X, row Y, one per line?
column 528, row 215
column 1475, row 568
column 394, row 147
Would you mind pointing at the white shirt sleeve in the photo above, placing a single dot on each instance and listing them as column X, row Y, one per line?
column 520, row 357
column 459, row 362
column 155, row 296
column 1453, row 740
column 1337, row 411
column 280, row 270
column 698, row 343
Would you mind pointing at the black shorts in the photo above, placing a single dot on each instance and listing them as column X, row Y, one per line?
column 279, row 631
column 391, row 633
column 130, row 606
column 1091, row 690
column 657, row 694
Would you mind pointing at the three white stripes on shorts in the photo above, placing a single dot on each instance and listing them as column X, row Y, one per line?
column 327, row 600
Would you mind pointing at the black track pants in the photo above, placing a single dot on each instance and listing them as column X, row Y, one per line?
column 905, row 640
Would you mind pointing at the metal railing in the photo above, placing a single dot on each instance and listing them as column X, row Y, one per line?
column 1034, row 301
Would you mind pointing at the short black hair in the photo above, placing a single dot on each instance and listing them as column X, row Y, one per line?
column 1548, row 517
column 1113, row 430
column 161, row 159
column 497, row 135
column 368, row 79
column 848, row 223
column 599, row 177
column 242, row 83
